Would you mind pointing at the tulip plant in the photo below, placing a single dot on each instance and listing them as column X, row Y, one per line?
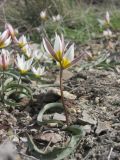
column 64, row 58
column 17, row 65
column 105, row 24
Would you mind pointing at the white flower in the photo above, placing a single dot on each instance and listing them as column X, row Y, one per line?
column 107, row 33
column 56, row 18
column 64, row 59
column 57, row 51
column 23, row 65
column 5, row 39
column 43, row 15
column 107, row 17
column 4, row 59
column 22, row 41
column 38, row 72
column 25, row 47
column 106, row 21
column 11, row 30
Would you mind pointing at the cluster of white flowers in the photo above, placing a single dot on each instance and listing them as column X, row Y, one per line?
column 23, row 62
column 55, row 18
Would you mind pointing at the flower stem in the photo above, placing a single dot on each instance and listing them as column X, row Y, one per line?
column 3, row 86
column 62, row 96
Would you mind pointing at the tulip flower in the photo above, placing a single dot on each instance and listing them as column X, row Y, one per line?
column 43, row 15
column 23, row 65
column 56, row 18
column 12, row 32
column 64, row 58
column 4, row 59
column 107, row 18
column 5, row 39
column 10, row 29
column 22, row 41
column 38, row 72
column 25, row 47
column 106, row 21
column 4, row 63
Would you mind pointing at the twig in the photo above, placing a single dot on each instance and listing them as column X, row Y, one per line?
column 48, row 145
column 108, row 158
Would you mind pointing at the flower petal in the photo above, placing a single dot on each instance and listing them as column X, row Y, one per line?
column 48, row 47
column 4, row 35
column 58, row 44
column 70, row 53
column 11, row 30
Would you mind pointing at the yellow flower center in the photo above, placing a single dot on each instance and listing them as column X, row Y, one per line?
column 2, row 45
column 23, row 72
column 58, row 56
column 21, row 44
column 65, row 63
column 37, row 76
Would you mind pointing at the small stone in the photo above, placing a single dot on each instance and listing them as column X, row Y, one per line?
column 72, row 110
column 87, row 128
column 86, row 119
column 33, row 130
column 78, row 110
column 8, row 149
column 59, row 117
column 67, row 95
column 53, row 124
column 102, row 126
column 103, row 109
column 97, row 100
column 23, row 139
column 15, row 139
column 118, row 81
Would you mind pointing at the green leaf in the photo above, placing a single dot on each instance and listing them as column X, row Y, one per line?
column 20, row 86
column 58, row 153
column 11, row 75
column 44, row 109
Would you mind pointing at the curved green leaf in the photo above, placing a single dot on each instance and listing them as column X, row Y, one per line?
column 58, row 153
column 44, row 109
column 10, row 74
column 20, row 86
